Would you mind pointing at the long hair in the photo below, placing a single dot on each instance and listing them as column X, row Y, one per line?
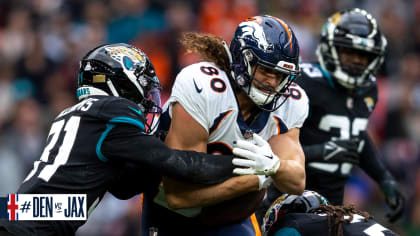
column 336, row 216
column 209, row 47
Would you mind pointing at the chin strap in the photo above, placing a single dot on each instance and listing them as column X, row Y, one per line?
column 259, row 97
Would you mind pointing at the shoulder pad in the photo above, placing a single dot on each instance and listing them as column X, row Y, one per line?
column 295, row 109
column 197, row 88
column 121, row 110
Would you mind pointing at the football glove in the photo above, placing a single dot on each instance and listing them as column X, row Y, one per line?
column 341, row 151
column 260, row 159
column 264, row 181
column 393, row 198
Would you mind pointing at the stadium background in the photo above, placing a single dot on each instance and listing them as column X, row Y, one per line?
column 41, row 42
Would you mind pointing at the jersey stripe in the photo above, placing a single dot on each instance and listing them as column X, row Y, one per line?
column 256, row 225
column 218, row 121
column 136, row 111
column 128, row 120
column 281, row 127
column 101, row 140
column 286, row 27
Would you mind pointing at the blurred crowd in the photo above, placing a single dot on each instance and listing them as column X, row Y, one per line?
column 41, row 42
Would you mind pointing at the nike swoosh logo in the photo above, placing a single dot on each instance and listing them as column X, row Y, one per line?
column 136, row 111
column 196, row 87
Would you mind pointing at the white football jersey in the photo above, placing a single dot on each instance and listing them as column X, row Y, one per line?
column 205, row 92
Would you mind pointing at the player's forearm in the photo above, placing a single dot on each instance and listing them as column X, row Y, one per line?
column 196, row 196
column 123, row 145
column 370, row 163
column 373, row 167
column 313, row 152
column 196, row 167
column 290, row 177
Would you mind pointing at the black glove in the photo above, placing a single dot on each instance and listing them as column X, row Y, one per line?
column 339, row 151
column 393, row 198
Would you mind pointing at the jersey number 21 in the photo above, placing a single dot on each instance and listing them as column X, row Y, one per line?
column 70, row 131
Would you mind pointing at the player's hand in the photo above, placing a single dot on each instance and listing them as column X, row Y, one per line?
column 260, row 159
column 394, row 199
column 341, row 151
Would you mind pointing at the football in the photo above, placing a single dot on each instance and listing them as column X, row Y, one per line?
column 233, row 210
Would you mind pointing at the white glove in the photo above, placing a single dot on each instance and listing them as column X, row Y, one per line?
column 264, row 181
column 260, row 159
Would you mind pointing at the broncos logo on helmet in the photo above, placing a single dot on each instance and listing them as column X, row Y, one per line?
column 268, row 42
column 251, row 28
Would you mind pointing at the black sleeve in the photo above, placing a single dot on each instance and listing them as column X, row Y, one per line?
column 370, row 162
column 313, row 152
column 126, row 185
column 124, row 143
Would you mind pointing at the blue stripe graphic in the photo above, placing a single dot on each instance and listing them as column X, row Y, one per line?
column 101, row 140
column 136, row 111
column 128, row 120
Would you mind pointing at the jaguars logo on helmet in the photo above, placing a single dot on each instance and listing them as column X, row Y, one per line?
column 120, row 70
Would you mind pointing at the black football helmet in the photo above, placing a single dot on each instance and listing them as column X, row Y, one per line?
column 352, row 29
column 120, row 70
column 268, row 42
column 288, row 203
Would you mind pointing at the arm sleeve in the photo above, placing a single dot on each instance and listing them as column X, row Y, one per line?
column 370, row 162
column 313, row 152
column 125, row 144
column 126, row 185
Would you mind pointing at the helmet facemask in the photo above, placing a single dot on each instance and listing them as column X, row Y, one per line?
column 151, row 104
column 146, row 92
column 264, row 96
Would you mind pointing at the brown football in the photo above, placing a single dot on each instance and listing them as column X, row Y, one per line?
column 233, row 210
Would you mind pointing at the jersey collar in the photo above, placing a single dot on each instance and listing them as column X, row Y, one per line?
column 327, row 76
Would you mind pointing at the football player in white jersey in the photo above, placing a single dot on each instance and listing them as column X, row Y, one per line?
column 242, row 92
